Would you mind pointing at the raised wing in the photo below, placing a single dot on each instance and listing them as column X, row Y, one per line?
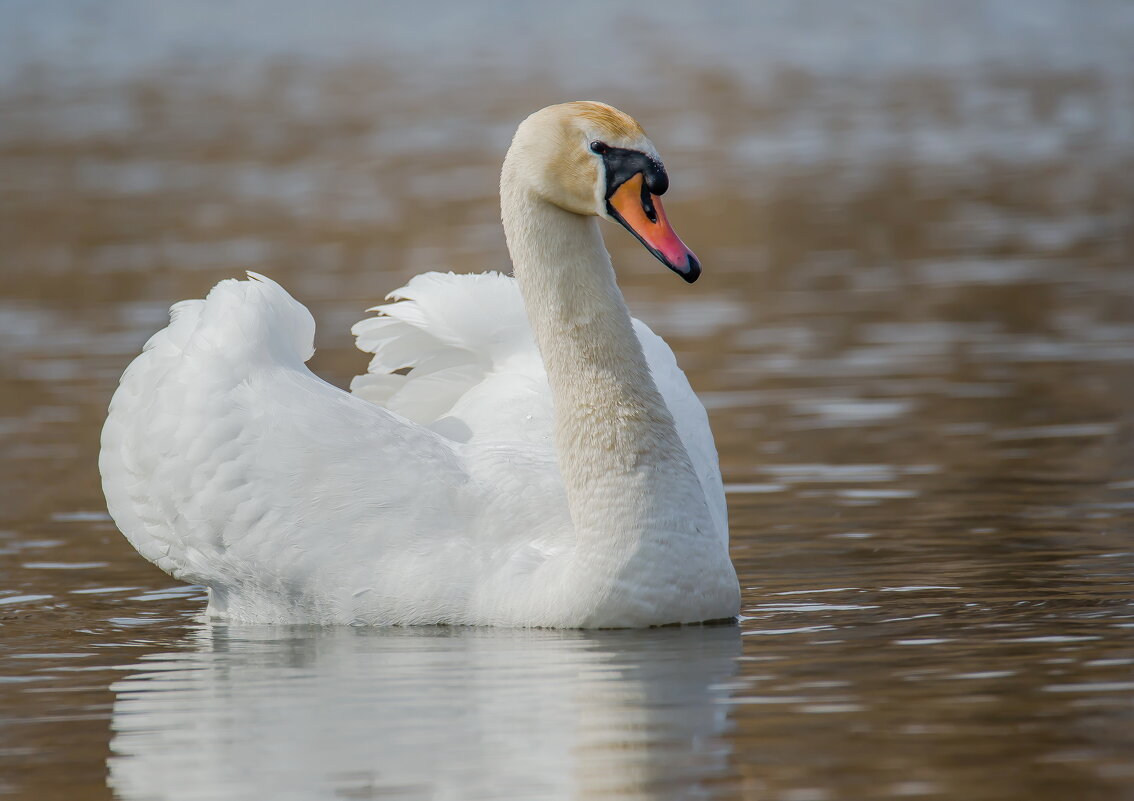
column 456, row 354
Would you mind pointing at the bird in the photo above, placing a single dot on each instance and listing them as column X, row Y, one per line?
column 521, row 452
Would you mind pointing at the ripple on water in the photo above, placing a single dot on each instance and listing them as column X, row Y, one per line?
column 24, row 599
column 80, row 517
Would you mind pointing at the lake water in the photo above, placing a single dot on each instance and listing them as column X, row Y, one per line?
column 914, row 334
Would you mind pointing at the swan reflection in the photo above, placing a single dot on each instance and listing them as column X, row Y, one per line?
column 437, row 713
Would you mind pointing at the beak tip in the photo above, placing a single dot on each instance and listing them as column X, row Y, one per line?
column 692, row 270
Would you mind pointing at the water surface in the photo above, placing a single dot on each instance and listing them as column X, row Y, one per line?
column 914, row 335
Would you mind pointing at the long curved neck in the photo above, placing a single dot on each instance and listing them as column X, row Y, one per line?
column 626, row 472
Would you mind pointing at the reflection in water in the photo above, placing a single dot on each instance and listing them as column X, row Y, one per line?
column 434, row 713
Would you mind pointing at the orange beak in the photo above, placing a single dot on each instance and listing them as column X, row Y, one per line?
column 641, row 213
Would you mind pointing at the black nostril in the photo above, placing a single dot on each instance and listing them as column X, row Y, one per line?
column 648, row 205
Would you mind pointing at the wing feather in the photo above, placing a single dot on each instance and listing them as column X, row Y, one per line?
column 477, row 375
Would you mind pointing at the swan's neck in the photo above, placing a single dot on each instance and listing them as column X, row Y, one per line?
column 627, row 475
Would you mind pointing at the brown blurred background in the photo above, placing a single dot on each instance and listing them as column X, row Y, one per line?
column 914, row 333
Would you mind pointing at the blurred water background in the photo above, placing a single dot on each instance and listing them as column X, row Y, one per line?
column 914, row 334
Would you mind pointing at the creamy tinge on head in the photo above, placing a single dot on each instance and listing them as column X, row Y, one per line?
column 617, row 123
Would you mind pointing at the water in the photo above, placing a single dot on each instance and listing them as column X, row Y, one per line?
column 915, row 337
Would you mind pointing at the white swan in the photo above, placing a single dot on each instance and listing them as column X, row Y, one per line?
column 552, row 468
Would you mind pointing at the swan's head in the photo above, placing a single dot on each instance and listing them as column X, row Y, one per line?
column 592, row 159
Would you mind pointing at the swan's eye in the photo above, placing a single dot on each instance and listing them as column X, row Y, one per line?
column 599, row 147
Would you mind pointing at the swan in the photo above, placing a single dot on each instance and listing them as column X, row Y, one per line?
column 520, row 452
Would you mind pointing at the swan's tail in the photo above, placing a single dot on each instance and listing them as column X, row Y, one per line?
column 445, row 333
column 253, row 319
column 179, row 384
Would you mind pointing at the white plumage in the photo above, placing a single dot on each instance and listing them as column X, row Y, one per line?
column 435, row 495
